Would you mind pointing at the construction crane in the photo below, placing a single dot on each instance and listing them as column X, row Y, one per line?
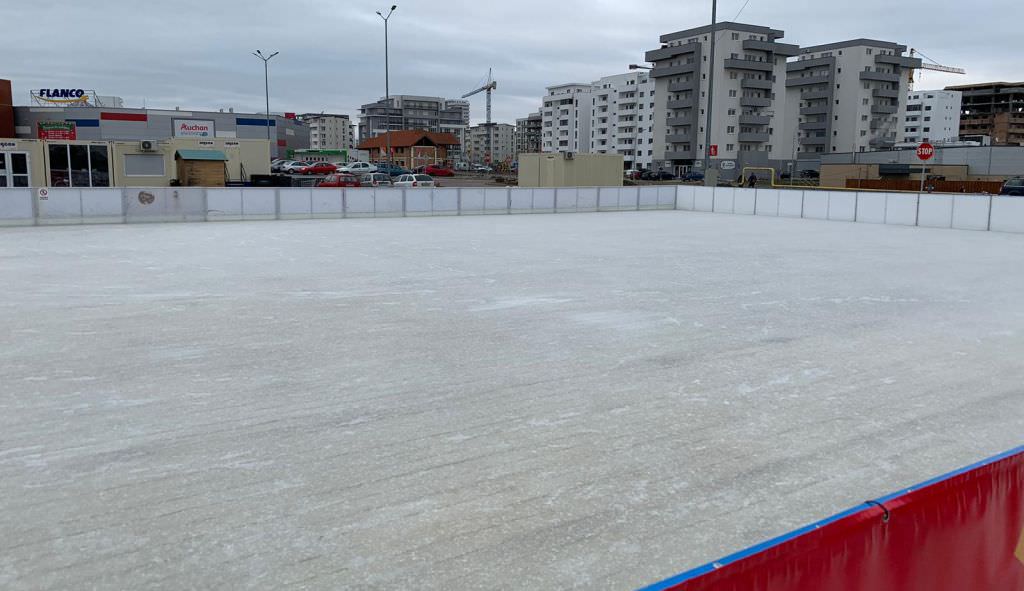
column 488, row 88
column 933, row 66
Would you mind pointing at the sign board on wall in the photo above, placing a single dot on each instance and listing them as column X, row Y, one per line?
column 7, row 145
column 727, row 165
column 193, row 128
column 57, row 130
column 65, row 97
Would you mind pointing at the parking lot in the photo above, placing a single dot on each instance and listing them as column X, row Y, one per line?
column 523, row 402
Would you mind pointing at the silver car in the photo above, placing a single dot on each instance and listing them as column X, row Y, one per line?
column 415, row 180
column 375, row 179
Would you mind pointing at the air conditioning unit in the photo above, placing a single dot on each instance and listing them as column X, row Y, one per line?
column 570, row 156
column 147, row 146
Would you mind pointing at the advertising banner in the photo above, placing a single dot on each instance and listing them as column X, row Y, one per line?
column 57, row 130
column 193, row 128
column 961, row 531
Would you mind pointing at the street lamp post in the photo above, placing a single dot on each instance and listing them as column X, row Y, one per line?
column 387, row 81
column 710, row 178
column 266, row 81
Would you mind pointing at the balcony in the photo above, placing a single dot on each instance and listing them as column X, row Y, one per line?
column 879, row 77
column 816, row 94
column 657, row 55
column 816, row 110
column 755, row 120
column 881, row 142
column 885, row 93
column 683, row 86
column 814, row 125
column 679, row 138
column 898, row 60
column 679, row 104
column 665, row 71
column 819, row 62
column 808, row 80
column 814, row 141
column 679, row 121
column 758, row 84
column 750, row 137
column 884, row 109
column 783, row 49
column 740, row 64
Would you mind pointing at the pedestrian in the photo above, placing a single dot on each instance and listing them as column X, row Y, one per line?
column 752, row 181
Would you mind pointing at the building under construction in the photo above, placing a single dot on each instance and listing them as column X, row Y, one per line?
column 995, row 109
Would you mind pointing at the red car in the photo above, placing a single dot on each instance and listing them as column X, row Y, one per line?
column 434, row 170
column 339, row 180
column 318, row 168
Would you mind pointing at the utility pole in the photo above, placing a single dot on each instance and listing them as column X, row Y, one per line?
column 387, row 82
column 266, row 82
column 711, row 97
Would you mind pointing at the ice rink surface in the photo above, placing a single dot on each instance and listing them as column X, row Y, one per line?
column 512, row 402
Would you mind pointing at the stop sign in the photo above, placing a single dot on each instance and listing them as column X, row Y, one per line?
column 925, row 151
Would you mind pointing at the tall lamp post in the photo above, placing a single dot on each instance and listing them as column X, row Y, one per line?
column 387, row 80
column 266, row 81
column 710, row 178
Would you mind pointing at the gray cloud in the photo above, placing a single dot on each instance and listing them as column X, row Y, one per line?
column 196, row 53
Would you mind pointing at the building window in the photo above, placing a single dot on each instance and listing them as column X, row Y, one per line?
column 730, row 129
column 78, row 166
column 735, row 36
column 144, row 165
column 863, row 133
column 732, row 94
column 730, row 147
column 14, row 169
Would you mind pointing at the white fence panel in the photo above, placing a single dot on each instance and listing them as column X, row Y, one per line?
column 685, row 197
column 259, row 204
column 472, row 201
column 389, row 202
column 60, row 206
column 744, row 201
column 586, row 199
column 1008, row 214
column 496, row 201
column 608, row 199
column 101, row 206
column 328, row 203
column 522, row 200
column 543, row 201
column 791, row 203
column 648, row 198
column 724, row 199
column 667, row 197
column 704, row 199
column 446, row 201
column 565, row 199
column 901, row 209
column 178, row 204
column 816, row 205
column 359, row 203
column 296, row 203
column 970, row 212
column 935, row 211
column 842, row 207
column 767, row 202
column 419, row 203
column 871, row 208
column 16, row 207
column 224, row 204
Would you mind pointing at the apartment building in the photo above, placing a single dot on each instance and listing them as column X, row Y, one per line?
column 932, row 116
column 849, row 96
column 528, row 134
column 747, row 119
column 995, row 109
column 502, row 143
column 565, row 118
column 329, row 131
column 622, row 118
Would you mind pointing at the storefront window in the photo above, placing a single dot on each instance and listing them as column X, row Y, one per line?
column 19, row 170
column 79, row 165
column 98, row 167
column 60, row 174
column 3, row 170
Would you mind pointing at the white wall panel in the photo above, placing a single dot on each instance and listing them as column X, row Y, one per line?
column 936, row 211
column 586, row 199
column 970, row 212
column 103, row 206
column 1008, row 214
column 871, row 208
column 842, row 206
column 496, row 200
column 259, row 204
column 703, row 198
column 724, row 199
column 446, row 201
column 472, row 201
column 419, row 203
column 608, row 199
column 543, row 200
column 767, row 202
column 389, row 201
column 16, row 207
column 744, row 201
column 522, row 200
column 296, row 203
column 901, row 209
column 667, row 197
column 224, row 204
column 359, row 203
column 565, row 199
column 327, row 203
column 816, row 205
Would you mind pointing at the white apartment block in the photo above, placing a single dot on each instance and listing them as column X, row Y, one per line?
column 330, row 132
column 933, row 116
column 503, row 138
column 847, row 97
column 622, row 118
column 566, row 118
column 748, row 118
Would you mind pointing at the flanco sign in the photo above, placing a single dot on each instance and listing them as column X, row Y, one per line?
column 193, row 128
column 62, row 96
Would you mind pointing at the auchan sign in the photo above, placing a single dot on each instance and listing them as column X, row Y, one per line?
column 193, row 128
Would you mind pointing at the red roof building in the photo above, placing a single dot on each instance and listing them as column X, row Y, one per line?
column 411, row 148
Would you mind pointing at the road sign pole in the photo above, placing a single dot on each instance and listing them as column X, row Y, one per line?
column 925, row 152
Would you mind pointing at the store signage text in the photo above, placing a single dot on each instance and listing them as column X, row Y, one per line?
column 193, row 128
column 57, row 130
column 62, row 95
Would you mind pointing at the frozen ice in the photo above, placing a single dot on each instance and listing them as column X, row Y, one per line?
column 521, row 402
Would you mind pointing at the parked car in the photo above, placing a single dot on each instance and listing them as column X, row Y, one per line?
column 294, row 167
column 376, row 179
column 1013, row 187
column 415, row 180
column 437, row 170
column 632, row 173
column 391, row 169
column 662, row 175
column 692, row 176
column 482, row 168
column 358, row 168
column 339, row 180
column 275, row 164
column 318, row 168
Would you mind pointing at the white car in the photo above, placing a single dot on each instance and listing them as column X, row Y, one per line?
column 358, row 168
column 415, row 180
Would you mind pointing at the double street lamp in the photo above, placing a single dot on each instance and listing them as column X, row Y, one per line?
column 266, row 81
column 387, row 80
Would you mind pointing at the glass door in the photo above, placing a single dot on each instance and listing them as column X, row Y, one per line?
column 14, row 171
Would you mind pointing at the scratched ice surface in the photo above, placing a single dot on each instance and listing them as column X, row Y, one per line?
column 526, row 402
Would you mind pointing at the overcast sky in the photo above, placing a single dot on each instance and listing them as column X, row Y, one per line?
column 196, row 54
